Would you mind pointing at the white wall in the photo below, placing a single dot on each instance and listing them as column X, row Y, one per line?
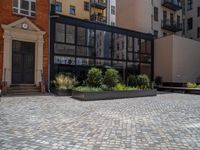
column 111, row 17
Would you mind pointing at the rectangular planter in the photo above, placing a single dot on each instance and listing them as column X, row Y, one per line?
column 62, row 92
column 106, row 95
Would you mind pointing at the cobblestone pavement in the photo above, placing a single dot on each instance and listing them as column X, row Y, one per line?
column 168, row 121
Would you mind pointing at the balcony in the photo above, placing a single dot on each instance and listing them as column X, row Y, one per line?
column 172, row 26
column 98, row 18
column 172, row 4
column 101, row 4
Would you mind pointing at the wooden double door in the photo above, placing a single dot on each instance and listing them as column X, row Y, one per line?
column 23, row 62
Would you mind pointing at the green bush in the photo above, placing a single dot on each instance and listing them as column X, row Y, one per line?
column 132, row 80
column 64, row 81
column 143, row 81
column 88, row 89
column 191, row 85
column 94, row 77
column 111, row 78
column 158, row 80
column 122, row 87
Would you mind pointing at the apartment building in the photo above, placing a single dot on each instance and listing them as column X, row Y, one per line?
column 159, row 17
column 24, row 42
column 102, row 11
column 191, row 19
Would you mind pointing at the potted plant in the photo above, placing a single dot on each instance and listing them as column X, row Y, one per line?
column 63, row 84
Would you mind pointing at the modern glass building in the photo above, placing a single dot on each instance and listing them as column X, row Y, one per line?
column 77, row 45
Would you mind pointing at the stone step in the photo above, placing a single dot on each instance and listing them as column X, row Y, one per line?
column 23, row 89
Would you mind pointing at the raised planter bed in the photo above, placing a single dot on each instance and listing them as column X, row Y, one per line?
column 106, row 95
column 179, row 89
column 62, row 92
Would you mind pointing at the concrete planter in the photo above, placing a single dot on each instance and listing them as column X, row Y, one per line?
column 106, row 95
column 62, row 92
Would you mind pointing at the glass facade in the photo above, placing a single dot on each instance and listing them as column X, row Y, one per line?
column 77, row 45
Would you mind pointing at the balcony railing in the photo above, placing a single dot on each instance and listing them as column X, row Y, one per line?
column 170, row 25
column 101, row 4
column 172, row 4
column 98, row 18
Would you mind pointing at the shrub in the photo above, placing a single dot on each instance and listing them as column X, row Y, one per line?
column 88, row 89
column 94, row 77
column 143, row 82
column 132, row 80
column 111, row 78
column 120, row 87
column 158, row 80
column 191, row 85
column 64, row 81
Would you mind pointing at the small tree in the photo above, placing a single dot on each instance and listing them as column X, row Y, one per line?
column 111, row 78
column 94, row 77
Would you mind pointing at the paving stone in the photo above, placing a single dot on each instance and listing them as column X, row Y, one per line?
column 168, row 121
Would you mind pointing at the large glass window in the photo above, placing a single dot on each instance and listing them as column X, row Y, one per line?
column 85, row 37
column 103, row 44
column 70, row 34
column 64, row 49
column 119, row 46
column 79, row 46
column 24, row 7
column 60, row 32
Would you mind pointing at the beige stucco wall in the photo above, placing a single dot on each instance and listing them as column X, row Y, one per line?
column 134, row 15
column 186, row 60
column 163, row 58
column 79, row 4
column 177, row 59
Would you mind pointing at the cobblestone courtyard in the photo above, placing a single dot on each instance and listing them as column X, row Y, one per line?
column 168, row 121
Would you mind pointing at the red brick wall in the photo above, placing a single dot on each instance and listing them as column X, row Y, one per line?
column 41, row 20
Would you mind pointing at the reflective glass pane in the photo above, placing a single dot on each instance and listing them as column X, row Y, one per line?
column 103, row 63
column 64, row 49
column 60, row 32
column 81, row 38
column 103, row 44
column 119, row 47
column 84, row 61
column 70, row 34
column 64, row 60
column 85, row 51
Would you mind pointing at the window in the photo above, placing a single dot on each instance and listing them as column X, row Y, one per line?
column 164, row 15
column 155, row 14
column 178, row 20
column 24, row 7
column 198, row 12
column 86, row 6
column 72, row 10
column 155, row 34
column 198, row 32
column 190, row 23
column 112, row 23
column 58, row 6
column 189, row 5
column 113, row 10
column 70, row 34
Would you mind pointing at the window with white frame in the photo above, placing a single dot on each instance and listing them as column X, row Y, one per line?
column 24, row 7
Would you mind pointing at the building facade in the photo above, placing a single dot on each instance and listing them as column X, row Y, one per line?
column 77, row 45
column 191, row 19
column 103, row 11
column 24, row 31
column 159, row 17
